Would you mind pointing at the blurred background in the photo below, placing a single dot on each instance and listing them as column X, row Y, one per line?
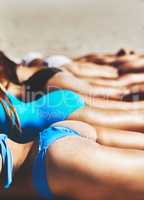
column 70, row 27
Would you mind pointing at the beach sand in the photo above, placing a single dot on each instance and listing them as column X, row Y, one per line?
column 70, row 27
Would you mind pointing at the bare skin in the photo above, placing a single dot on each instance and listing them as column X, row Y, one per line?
column 97, row 58
column 108, row 104
column 67, row 81
column 122, row 81
column 134, row 61
column 22, row 176
column 80, row 69
column 122, row 56
column 94, row 102
column 81, row 162
column 59, row 80
column 107, row 136
column 24, row 72
column 91, row 101
column 90, row 70
column 124, row 61
column 119, row 119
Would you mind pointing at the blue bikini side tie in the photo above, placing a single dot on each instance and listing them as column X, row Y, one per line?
column 6, row 162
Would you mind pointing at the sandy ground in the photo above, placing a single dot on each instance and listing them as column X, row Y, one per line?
column 70, row 27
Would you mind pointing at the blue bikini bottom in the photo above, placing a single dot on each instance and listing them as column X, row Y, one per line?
column 46, row 138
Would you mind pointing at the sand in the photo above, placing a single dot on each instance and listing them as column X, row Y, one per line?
column 70, row 27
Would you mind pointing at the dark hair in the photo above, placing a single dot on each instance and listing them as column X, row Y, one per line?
column 9, row 68
column 37, row 63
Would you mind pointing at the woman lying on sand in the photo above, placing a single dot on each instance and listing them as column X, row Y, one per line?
column 79, row 69
column 122, row 81
column 120, row 119
column 133, row 81
column 62, row 80
column 70, row 159
column 54, row 77
column 126, row 61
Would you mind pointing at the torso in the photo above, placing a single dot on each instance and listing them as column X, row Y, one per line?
column 22, row 182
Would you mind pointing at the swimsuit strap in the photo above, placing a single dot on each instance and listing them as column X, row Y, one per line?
column 6, row 161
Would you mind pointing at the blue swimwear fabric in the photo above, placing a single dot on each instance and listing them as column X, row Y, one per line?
column 46, row 138
column 38, row 115
column 6, row 161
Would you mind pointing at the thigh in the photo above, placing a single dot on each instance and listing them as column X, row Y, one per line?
column 82, row 169
column 107, row 136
